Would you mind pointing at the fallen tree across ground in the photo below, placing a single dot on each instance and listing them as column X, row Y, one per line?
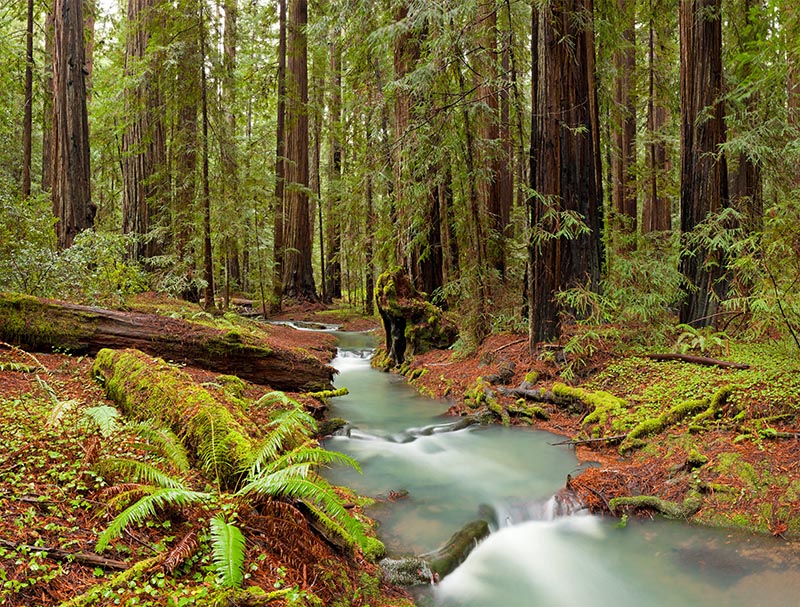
column 42, row 324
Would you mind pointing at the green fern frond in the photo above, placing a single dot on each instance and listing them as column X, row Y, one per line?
column 128, row 493
column 287, row 429
column 141, row 472
column 106, row 417
column 165, row 441
column 227, row 552
column 297, row 482
column 307, row 454
column 146, row 508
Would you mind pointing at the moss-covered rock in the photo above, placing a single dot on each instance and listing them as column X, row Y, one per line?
column 145, row 388
column 412, row 325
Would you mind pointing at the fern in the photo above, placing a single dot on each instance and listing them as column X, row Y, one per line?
column 146, row 508
column 287, row 429
column 227, row 552
column 141, row 472
column 106, row 418
column 296, row 481
column 165, row 441
column 305, row 454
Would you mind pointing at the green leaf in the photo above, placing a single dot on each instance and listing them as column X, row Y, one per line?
column 227, row 552
column 106, row 417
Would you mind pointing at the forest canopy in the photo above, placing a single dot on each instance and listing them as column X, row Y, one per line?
column 532, row 164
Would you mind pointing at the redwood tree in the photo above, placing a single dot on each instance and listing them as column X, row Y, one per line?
column 143, row 146
column 298, row 274
column 71, row 187
column 704, row 175
column 565, row 161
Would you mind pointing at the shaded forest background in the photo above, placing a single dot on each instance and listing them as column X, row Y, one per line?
column 627, row 163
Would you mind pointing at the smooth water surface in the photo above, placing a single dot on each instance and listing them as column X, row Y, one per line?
column 455, row 475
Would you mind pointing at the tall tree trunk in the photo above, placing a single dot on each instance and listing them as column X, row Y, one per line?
column 279, row 203
column 488, row 147
column 656, row 209
column 406, row 56
column 704, row 179
column 624, row 134
column 229, row 152
column 184, row 146
column 143, row 142
column 27, row 121
column 333, row 236
column 369, row 286
column 747, row 194
column 208, row 262
column 72, row 203
column 565, row 164
column 298, row 275
column 47, row 104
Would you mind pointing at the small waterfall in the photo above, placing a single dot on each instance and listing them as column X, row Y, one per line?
column 562, row 504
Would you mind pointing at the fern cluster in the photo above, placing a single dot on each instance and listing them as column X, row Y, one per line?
column 284, row 467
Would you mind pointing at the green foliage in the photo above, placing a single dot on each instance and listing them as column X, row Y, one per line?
column 106, row 417
column 227, row 552
column 703, row 340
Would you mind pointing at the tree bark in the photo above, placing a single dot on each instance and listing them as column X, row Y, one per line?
column 44, row 324
column 565, row 161
column 279, row 202
column 624, row 134
column 47, row 104
column 333, row 236
column 27, row 121
column 143, row 143
column 208, row 262
column 656, row 209
column 71, row 193
column 298, row 275
column 704, row 175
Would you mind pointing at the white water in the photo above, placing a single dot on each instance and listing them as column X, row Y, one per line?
column 533, row 557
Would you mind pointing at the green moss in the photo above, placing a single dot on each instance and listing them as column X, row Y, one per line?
column 40, row 325
column 324, row 395
column 373, row 549
column 232, row 385
column 532, row 377
column 148, row 388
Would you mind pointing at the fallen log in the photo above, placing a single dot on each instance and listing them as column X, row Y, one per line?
column 146, row 388
column 697, row 360
column 41, row 324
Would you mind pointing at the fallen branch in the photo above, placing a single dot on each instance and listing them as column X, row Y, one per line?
column 698, row 360
column 57, row 554
column 508, row 345
column 586, row 441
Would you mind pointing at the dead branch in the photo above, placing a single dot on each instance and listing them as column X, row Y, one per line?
column 84, row 558
column 698, row 360
column 586, row 441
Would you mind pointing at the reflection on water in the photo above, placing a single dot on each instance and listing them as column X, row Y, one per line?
column 454, row 475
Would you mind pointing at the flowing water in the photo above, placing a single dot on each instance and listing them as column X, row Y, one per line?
column 431, row 476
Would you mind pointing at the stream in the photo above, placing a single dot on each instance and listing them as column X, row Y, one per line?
column 430, row 478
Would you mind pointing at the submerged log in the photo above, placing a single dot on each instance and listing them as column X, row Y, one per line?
column 427, row 568
column 40, row 325
column 412, row 324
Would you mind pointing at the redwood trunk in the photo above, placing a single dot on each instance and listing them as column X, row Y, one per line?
column 279, row 203
column 72, row 203
column 565, row 169
column 704, row 179
column 298, row 275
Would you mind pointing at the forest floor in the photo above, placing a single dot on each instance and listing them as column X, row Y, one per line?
column 54, row 502
column 717, row 445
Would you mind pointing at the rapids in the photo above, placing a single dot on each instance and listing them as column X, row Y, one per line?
column 431, row 475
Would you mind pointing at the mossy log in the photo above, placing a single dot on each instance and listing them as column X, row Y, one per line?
column 41, row 324
column 148, row 388
column 426, row 568
column 452, row 554
column 412, row 324
column 691, row 504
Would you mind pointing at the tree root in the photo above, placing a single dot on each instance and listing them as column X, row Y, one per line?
column 691, row 504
